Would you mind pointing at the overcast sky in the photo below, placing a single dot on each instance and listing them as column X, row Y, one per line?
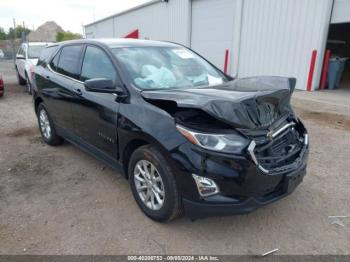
column 69, row 14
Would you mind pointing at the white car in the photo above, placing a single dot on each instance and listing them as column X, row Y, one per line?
column 26, row 59
column 2, row 55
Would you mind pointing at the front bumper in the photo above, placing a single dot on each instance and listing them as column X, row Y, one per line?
column 243, row 185
column 220, row 206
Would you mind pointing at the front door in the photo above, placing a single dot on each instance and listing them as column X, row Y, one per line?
column 95, row 114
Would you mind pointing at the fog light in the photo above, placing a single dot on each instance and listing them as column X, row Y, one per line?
column 206, row 186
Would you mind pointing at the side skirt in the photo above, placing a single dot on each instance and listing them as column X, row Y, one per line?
column 90, row 149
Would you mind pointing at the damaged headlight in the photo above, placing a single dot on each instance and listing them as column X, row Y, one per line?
column 228, row 143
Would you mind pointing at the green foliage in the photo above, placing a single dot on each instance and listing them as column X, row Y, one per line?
column 11, row 33
column 3, row 35
column 17, row 32
column 63, row 36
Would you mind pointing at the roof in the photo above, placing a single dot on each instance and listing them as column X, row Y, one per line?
column 37, row 43
column 123, row 42
column 126, row 11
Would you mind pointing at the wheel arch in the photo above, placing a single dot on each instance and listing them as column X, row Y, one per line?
column 129, row 149
column 37, row 102
column 134, row 144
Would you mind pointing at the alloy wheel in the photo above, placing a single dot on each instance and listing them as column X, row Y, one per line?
column 45, row 124
column 149, row 185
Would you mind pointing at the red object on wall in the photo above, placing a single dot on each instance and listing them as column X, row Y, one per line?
column 325, row 69
column 226, row 61
column 311, row 70
column 133, row 34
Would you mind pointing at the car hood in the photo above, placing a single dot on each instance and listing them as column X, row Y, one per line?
column 254, row 102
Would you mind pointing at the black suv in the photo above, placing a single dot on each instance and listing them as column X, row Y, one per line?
column 187, row 136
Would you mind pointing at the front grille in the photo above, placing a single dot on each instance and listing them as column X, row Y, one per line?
column 283, row 150
column 280, row 152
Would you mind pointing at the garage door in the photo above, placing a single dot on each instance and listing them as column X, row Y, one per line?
column 341, row 12
column 213, row 30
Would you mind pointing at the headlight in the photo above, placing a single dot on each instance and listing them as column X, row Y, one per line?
column 228, row 143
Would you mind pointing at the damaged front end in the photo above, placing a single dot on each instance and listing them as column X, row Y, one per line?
column 258, row 108
column 252, row 145
column 278, row 150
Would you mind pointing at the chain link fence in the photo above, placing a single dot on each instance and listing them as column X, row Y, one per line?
column 9, row 48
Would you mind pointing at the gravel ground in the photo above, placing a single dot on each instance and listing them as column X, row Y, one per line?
column 59, row 200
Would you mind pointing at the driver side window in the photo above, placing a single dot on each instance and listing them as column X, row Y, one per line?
column 96, row 64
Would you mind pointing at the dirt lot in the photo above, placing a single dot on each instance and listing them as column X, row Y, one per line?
column 59, row 200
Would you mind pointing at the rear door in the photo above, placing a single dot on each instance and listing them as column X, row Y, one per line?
column 63, row 72
column 95, row 114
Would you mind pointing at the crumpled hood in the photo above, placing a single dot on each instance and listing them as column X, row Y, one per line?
column 254, row 102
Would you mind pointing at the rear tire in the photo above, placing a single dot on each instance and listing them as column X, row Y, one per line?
column 20, row 80
column 47, row 128
column 160, row 182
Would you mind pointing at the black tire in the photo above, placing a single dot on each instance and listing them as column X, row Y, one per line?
column 171, row 207
column 53, row 139
column 28, row 86
column 20, row 80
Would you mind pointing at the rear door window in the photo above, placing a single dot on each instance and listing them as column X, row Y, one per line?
column 69, row 61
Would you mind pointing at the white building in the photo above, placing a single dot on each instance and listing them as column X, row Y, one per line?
column 263, row 37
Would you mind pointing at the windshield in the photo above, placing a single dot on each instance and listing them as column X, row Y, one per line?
column 167, row 67
column 35, row 50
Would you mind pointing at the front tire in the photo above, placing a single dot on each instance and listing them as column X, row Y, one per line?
column 47, row 128
column 153, row 184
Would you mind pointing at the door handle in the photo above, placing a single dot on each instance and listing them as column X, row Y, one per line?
column 78, row 91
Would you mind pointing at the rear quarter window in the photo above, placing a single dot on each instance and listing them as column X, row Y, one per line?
column 46, row 55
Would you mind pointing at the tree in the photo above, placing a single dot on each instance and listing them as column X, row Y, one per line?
column 19, row 30
column 63, row 36
column 3, row 35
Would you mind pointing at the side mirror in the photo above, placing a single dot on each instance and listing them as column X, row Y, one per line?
column 19, row 56
column 102, row 85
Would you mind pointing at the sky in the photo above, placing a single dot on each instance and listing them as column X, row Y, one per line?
column 69, row 14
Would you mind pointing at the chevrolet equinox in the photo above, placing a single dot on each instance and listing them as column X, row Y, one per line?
column 186, row 136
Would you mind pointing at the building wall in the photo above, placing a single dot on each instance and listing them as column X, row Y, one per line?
column 223, row 23
column 278, row 37
column 270, row 37
column 159, row 21
column 341, row 12
column 102, row 29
